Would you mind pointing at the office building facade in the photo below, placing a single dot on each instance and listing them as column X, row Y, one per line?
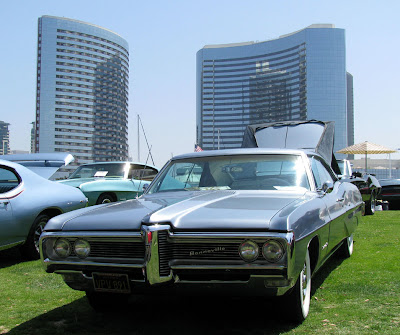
column 82, row 91
column 299, row 76
column 4, row 138
column 350, row 112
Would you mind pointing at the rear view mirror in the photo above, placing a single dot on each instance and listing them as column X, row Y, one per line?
column 327, row 187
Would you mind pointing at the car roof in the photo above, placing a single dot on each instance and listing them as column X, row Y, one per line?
column 43, row 164
column 23, row 171
column 243, row 151
column 119, row 162
column 10, row 164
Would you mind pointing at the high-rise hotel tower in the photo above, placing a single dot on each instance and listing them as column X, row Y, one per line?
column 82, row 91
column 299, row 76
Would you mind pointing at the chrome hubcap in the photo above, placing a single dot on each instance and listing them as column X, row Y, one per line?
column 37, row 233
column 304, row 282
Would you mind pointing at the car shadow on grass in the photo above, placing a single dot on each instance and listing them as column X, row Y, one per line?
column 167, row 314
column 174, row 314
column 10, row 257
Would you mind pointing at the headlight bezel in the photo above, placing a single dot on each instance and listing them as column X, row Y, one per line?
column 279, row 250
column 247, row 255
column 85, row 244
column 67, row 248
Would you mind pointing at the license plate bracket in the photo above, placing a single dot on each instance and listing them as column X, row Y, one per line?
column 111, row 282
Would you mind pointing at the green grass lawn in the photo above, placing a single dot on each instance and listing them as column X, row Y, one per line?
column 360, row 295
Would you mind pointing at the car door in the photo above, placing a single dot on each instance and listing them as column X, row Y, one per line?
column 8, row 181
column 334, row 199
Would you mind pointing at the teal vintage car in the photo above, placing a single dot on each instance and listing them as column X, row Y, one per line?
column 111, row 181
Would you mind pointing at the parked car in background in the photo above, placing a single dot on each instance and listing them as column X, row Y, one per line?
column 27, row 202
column 250, row 221
column 111, row 181
column 368, row 184
column 43, row 164
column 390, row 192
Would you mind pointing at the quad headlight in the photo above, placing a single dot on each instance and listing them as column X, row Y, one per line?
column 62, row 247
column 272, row 251
column 249, row 251
column 82, row 248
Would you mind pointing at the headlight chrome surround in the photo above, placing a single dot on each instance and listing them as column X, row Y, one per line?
column 273, row 251
column 62, row 247
column 82, row 248
column 249, row 251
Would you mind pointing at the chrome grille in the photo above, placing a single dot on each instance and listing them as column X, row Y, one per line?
column 209, row 251
column 214, row 251
column 118, row 248
column 220, row 251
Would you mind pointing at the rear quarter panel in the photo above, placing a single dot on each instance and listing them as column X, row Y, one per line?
column 122, row 189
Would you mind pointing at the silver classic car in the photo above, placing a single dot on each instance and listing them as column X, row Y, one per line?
column 28, row 201
column 253, row 221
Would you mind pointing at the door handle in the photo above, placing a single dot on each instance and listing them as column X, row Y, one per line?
column 340, row 200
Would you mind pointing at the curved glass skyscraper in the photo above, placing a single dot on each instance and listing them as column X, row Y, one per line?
column 299, row 76
column 82, row 90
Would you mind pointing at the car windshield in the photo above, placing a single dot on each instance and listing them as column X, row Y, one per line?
column 99, row 170
column 244, row 172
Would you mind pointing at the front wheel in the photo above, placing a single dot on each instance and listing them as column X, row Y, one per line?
column 30, row 249
column 107, row 302
column 299, row 299
column 105, row 198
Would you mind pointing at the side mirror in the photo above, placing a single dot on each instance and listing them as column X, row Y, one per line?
column 327, row 187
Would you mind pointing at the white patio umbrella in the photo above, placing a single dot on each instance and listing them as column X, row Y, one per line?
column 365, row 148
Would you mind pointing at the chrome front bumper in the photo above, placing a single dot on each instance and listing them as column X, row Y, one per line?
column 156, row 269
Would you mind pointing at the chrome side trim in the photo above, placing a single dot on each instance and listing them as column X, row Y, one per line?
column 94, row 234
column 241, row 236
column 229, row 267
column 47, row 262
column 11, row 245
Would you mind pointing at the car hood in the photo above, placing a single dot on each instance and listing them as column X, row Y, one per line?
column 210, row 210
column 79, row 181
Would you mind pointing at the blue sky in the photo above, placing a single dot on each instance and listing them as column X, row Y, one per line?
column 164, row 37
